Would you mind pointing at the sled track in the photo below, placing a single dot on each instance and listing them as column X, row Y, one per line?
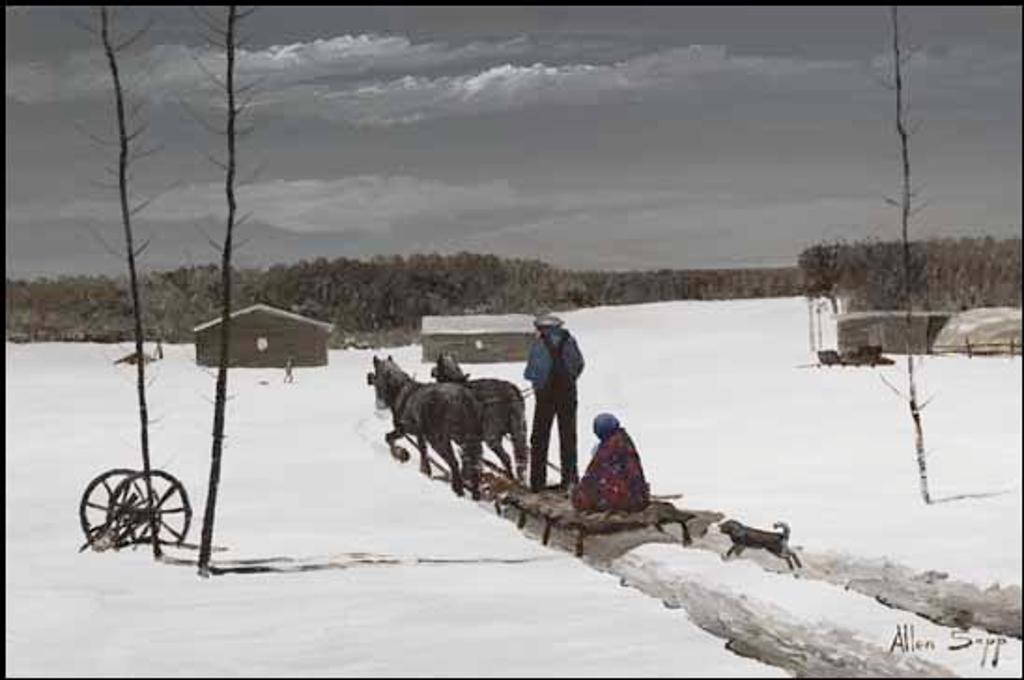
column 294, row 565
column 759, row 630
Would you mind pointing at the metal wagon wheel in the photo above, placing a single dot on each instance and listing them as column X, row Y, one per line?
column 128, row 516
column 96, row 501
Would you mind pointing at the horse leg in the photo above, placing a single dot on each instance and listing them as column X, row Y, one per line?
column 472, row 452
column 494, row 444
column 517, row 429
column 444, row 447
column 397, row 452
column 421, row 444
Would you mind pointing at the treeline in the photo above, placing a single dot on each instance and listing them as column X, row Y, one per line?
column 945, row 274
column 377, row 301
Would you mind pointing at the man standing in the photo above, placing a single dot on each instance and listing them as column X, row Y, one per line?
column 554, row 365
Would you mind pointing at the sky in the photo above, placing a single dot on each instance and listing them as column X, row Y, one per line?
column 587, row 137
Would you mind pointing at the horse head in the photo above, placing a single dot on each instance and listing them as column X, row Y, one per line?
column 448, row 369
column 387, row 380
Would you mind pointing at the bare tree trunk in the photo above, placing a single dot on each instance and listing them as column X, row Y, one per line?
column 225, row 316
column 817, row 312
column 915, row 411
column 810, row 323
column 124, row 140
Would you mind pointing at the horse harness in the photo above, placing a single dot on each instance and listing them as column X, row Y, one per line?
column 404, row 393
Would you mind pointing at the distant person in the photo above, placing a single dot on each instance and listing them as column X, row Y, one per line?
column 288, row 370
column 614, row 479
column 554, row 365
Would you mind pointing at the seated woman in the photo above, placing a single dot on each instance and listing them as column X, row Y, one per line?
column 614, row 479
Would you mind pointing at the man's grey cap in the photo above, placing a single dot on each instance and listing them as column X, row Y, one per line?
column 547, row 321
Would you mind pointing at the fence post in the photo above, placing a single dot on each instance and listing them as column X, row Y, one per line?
column 969, row 354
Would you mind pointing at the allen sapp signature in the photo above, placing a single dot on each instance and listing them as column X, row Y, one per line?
column 906, row 641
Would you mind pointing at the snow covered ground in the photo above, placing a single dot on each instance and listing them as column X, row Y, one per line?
column 720, row 412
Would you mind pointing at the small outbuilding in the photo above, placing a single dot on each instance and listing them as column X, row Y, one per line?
column 888, row 329
column 478, row 339
column 265, row 337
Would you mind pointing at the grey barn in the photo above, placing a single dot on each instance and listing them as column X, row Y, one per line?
column 479, row 338
column 265, row 337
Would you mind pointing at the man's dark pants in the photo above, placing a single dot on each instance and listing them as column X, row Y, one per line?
column 552, row 403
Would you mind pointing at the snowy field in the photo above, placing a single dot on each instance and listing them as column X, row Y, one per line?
column 713, row 397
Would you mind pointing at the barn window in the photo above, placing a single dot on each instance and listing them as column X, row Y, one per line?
column 261, row 344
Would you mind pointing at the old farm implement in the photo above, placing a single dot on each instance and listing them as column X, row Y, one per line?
column 115, row 514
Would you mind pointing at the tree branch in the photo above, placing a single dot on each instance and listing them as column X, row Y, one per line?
column 142, row 248
column 100, row 141
column 893, row 388
column 199, row 119
column 202, row 67
column 103, row 243
column 134, row 37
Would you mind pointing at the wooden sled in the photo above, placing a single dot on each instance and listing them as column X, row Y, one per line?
column 556, row 510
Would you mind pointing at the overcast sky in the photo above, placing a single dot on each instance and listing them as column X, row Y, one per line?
column 601, row 137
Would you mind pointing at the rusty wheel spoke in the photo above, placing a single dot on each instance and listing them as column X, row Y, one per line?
column 179, row 536
column 163, row 499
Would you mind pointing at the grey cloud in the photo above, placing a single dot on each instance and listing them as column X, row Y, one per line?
column 364, row 203
column 507, row 87
column 168, row 70
column 597, row 139
column 394, row 205
column 677, row 72
column 340, row 78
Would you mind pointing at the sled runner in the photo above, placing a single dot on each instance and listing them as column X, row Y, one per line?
column 556, row 511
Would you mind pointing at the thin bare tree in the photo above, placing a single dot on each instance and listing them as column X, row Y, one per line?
column 905, row 211
column 126, row 138
column 224, row 36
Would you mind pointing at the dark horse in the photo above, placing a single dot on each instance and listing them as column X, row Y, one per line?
column 436, row 414
column 504, row 412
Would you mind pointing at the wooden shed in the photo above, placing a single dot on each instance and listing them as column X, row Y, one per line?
column 265, row 337
column 887, row 329
column 478, row 339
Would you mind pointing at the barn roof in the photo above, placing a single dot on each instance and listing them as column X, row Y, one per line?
column 477, row 323
column 875, row 314
column 274, row 311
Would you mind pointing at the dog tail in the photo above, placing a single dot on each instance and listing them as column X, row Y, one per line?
column 785, row 530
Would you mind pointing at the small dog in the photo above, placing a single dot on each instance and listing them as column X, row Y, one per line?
column 744, row 537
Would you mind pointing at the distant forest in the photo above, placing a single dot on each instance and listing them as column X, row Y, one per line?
column 379, row 302
column 945, row 274
column 375, row 302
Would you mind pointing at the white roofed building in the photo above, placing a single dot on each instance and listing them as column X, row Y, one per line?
column 479, row 338
column 263, row 336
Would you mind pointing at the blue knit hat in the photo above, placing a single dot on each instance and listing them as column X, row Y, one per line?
column 605, row 424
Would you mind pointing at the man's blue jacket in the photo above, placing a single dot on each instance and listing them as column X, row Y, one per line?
column 538, row 367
